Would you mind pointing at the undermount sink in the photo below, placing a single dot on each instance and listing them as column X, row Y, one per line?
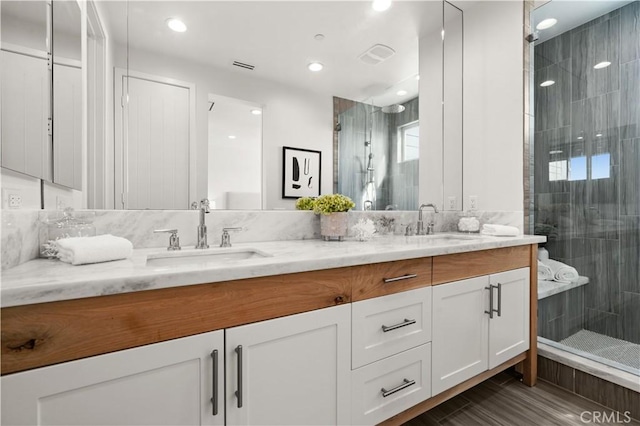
column 211, row 256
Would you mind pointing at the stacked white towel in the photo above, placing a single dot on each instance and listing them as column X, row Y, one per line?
column 544, row 272
column 500, row 230
column 562, row 273
column 101, row 248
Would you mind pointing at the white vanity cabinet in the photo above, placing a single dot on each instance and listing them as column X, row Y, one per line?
column 168, row 383
column 290, row 371
column 467, row 339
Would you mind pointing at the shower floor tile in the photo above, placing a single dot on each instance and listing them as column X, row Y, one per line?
column 619, row 351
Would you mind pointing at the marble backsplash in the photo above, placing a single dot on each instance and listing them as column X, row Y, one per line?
column 21, row 228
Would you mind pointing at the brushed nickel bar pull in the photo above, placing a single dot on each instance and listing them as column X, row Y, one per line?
column 403, row 277
column 499, row 311
column 491, row 310
column 405, row 384
column 404, row 323
column 214, row 398
column 239, row 391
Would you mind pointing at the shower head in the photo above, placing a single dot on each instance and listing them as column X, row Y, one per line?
column 392, row 109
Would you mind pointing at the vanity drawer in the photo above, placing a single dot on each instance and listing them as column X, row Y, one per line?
column 387, row 325
column 387, row 387
column 381, row 279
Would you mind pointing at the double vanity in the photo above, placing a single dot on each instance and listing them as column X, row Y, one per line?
column 291, row 332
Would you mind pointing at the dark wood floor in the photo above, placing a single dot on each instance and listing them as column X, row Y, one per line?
column 503, row 400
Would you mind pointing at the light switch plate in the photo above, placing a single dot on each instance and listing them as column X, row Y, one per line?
column 452, row 203
column 473, row 202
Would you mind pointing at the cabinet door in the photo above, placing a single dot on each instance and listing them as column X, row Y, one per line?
column 290, row 371
column 168, row 383
column 460, row 332
column 509, row 331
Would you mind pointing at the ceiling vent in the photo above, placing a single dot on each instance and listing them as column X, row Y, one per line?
column 243, row 65
column 377, row 54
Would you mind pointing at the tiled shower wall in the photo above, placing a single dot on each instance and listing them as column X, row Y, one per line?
column 396, row 182
column 592, row 219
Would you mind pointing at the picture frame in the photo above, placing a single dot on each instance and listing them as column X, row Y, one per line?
column 301, row 172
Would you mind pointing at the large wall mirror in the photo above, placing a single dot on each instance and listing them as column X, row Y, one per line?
column 170, row 99
column 42, row 90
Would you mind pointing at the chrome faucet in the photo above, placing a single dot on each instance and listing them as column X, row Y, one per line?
column 420, row 226
column 202, row 227
column 226, row 238
column 174, row 240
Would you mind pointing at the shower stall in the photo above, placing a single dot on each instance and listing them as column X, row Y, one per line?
column 586, row 178
column 377, row 158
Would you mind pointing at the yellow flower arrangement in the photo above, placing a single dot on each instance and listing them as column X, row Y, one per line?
column 332, row 203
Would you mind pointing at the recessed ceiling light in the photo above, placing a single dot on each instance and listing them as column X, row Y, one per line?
column 315, row 66
column 256, row 111
column 401, row 92
column 547, row 23
column 547, row 83
column 601, row 65
column 176, row 25
column 381, row 5
column 319, row 37
column 231, row 136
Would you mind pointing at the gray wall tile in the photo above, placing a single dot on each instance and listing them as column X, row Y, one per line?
column 604, row 323
column 607, row 393
column 556, row 373
column 629, row 100
column 597, row 43
column 630, row 177
column 631, row 317
column 630, row 32
column 630, row 254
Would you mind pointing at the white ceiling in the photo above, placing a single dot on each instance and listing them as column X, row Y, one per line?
column 278, row 38
column 571, row 14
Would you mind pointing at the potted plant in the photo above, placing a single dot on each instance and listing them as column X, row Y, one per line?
column 332, row 209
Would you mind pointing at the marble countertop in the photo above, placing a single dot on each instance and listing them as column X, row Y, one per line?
column 549, row 288
column 44, row 280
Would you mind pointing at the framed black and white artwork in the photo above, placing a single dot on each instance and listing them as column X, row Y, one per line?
column 300, row 172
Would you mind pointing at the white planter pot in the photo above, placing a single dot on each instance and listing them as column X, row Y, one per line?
column 334, row 226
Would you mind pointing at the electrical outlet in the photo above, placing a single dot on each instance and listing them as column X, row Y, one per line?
column 473, row 202
column 452, row 203
column 15, row 201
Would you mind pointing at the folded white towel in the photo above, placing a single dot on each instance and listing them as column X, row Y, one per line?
column 544, row 272
column 500, row 230
column 101, row 248
column 562, row 273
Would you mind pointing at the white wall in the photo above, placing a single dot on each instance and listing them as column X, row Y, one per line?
column 235, row 165
column 493, row 104
column 291, row 117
